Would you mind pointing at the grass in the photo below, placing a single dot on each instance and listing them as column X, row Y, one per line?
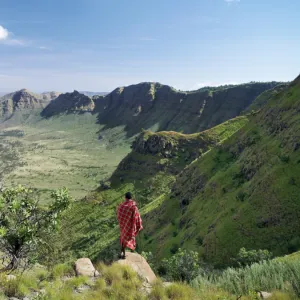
column 91, row 229
column 115, row 282
column 243, row 193
column 62, row 151
column 274, row 275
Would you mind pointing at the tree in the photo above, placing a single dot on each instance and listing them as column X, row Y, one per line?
column 24, row 225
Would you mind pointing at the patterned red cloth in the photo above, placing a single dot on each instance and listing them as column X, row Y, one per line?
column 130, row 222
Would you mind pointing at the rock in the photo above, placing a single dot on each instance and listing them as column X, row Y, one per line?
column 264, row 295
column 13, row 298
column 11, row 277
column 140, row 265
column 84, row 267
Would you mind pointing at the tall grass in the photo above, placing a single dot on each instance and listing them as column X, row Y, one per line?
column 263, row 276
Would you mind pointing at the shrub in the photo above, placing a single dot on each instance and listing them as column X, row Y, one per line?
column 264, row 276
column 183, row 266
column 245, row 257
column 20, row 240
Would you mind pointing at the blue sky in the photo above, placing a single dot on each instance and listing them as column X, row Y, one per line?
column 98, row 45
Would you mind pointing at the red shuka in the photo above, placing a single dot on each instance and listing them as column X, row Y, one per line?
column 130, row 223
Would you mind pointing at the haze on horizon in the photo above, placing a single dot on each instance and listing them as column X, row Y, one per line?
column 98, row 45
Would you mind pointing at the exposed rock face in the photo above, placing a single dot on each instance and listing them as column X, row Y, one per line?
column 140, row 265
column 49, row 96
column 69, row 103
column 20, row 100
column 159, row 107
column 171, row 144
column 84, row 267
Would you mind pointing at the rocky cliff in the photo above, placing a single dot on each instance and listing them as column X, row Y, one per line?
column 21, row 100
column 160, row 107
column 69, row 103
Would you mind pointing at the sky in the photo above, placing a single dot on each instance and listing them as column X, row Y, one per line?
column 98, row 45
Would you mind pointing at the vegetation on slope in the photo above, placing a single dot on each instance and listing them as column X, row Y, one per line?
column 91, row 228
column 244, row 193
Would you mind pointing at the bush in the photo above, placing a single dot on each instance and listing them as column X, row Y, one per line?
column 264, row 276
column 24, row 226
column 246, row 258
column 183, row 266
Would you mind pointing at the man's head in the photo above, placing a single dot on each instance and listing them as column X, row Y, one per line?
column 128, row 196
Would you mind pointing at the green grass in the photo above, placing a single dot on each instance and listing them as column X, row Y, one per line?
column 115, row 282
column 91, row 228
column 244, row 193
column 274, row 275
column 62, row 151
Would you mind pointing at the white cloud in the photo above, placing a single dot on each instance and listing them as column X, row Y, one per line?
column 3, row 33
column 6, row 38
column 44, row 48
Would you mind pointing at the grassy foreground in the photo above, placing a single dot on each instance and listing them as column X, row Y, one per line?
column 279, row 276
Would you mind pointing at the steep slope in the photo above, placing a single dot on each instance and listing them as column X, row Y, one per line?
column 263, row 98
column 244, row 193
column 149, row 171
column 159, row 107
column 69, row 103
column 22, row 100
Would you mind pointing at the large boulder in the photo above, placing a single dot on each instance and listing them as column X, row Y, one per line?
column 140, row 265
column 84, row 267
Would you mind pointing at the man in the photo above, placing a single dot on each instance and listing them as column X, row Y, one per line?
column 130, row 224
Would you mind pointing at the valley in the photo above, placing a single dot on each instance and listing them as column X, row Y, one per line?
column 213, row 173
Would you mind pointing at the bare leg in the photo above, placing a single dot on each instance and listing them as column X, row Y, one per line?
column 122, row 256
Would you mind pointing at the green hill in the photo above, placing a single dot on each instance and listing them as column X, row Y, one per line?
column 149, row 171
column 239, row 188
column 244, row 193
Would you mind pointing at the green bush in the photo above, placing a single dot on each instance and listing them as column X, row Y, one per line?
column 182, row 266
column 24, row 225
column 246, row 258
column 264, row 276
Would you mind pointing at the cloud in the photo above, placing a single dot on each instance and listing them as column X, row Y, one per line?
column 3, row 33
column 6, row 38
column 44, row 48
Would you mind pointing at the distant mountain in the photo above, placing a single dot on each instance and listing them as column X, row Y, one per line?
column 48, row 96
column 160, row 107
column 20, row 101
column 91, row 94
column 74, row 102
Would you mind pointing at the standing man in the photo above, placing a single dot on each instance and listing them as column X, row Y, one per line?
column 130, row 222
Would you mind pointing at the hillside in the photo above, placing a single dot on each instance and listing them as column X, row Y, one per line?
column 158, row 107
column 244, row 193
column 149, row 171
column 22, row 100
column 74, row 102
